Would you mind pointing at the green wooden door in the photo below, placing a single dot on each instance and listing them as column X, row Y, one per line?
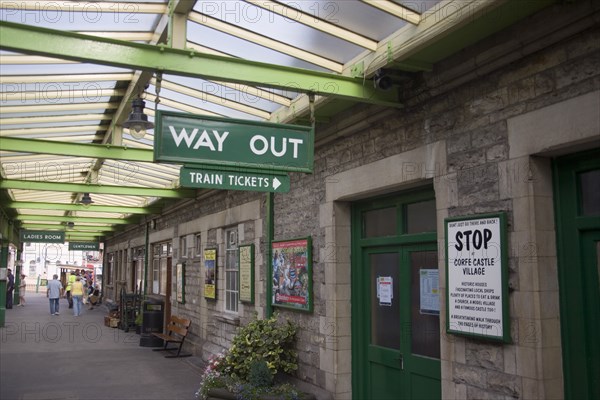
column 577, row 199
column 395, row 299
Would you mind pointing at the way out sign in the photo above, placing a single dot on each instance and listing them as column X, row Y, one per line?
column 190, row 139
column 476, row 269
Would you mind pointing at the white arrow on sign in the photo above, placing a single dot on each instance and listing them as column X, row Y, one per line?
column 276, row 183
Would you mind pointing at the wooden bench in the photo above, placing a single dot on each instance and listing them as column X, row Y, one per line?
column 177, row 330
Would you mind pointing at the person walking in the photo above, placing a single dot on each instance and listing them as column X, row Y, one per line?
column 22, row 288
column 54, row 293
column 77, row 295
column 10, row 286
column 70, row 279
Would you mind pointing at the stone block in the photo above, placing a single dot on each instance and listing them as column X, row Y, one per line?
column 487, row 356
column 469, row 375
column 527, row 362
column 507, row 384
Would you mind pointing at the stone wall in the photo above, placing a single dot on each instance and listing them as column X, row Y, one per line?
column 461, row 130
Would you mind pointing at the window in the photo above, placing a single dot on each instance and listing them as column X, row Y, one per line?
column 198, row 244
column 183, row 247
column 160, row 254
column 109, row 268
column 232, row 281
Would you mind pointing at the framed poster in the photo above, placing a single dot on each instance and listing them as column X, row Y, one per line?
column 210, row 273
column 180, row 277
column 477, row 273
column 246, row 265
column 291, row 274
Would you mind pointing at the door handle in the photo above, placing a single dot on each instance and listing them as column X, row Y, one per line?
column 400, row 358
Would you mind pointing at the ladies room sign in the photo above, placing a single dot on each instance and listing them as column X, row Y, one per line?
column 476, row 269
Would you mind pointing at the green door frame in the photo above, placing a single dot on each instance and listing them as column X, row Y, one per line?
column 578, row 287
column 404, row 244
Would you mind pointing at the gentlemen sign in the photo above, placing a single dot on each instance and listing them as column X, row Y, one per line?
column 190, row 139
column 477, row 295
column 206, row 178
column 84, row 246
column 42, row 236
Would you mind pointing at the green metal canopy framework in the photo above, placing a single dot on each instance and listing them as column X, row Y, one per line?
column 67, row 81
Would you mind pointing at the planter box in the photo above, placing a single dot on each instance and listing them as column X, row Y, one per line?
column 224, row 394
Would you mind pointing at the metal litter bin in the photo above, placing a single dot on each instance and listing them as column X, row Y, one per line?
column 153, row 316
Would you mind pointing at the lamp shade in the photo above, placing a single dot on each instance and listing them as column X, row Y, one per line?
column 86, row 200
column 138, row 123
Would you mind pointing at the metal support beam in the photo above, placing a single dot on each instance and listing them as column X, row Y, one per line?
column 74, row 46
column 100, row 189
column 32, row 205
column 62, row 218
column 98, row 229
column 38, row 146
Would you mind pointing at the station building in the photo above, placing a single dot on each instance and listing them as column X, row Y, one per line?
column 503, row 134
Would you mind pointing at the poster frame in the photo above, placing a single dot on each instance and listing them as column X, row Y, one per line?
column 207, row 286
column 276, row 245
column 505, row 335
column 250, row 249
column 180, row 282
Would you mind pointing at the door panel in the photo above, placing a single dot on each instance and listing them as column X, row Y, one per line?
column 395, row 299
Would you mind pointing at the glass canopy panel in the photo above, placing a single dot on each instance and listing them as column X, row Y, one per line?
column 242, row 48
column 288, row 29
column 84, row 16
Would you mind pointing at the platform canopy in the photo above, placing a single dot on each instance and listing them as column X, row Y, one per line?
column 69, row 71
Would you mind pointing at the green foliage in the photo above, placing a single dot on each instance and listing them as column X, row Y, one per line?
column 260, row 375
column 266, row 340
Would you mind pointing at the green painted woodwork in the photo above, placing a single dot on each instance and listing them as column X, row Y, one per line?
column 39, row 146
column 100, row 189
column 389, row 371
column 30, row 205
column 78, row 228
column 227, row 142
column 579, row 287
column 481, row 25
column 59, row 218
column 105, row 51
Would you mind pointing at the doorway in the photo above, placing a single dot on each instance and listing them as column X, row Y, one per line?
column 577, row 200
column 395, row 298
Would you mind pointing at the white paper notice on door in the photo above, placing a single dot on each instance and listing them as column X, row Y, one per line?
column 430, row 291
column 385, row 290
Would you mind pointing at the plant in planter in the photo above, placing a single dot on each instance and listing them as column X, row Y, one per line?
column 259, row 351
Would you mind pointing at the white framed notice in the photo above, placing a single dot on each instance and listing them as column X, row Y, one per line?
column 477, row 276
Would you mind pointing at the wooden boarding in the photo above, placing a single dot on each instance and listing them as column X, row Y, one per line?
column 177, row 330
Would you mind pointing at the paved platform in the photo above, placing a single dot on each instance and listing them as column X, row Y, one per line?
column 63, row 357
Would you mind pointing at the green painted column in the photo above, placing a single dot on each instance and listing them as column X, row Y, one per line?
column 17, row 272
column 269, row 257
column 3, row 281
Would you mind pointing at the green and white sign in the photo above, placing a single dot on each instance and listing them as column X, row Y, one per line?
column 85, row 246
column 189, row 139
column 42, row 236
column 233, row 180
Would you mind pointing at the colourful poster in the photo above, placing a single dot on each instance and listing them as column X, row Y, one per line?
column 210, row 273
column 292, row 274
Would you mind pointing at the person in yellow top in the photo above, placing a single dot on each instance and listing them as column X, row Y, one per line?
column 70, row 279
column 77, row 295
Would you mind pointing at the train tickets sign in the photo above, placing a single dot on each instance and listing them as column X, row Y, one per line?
column 476, row 269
